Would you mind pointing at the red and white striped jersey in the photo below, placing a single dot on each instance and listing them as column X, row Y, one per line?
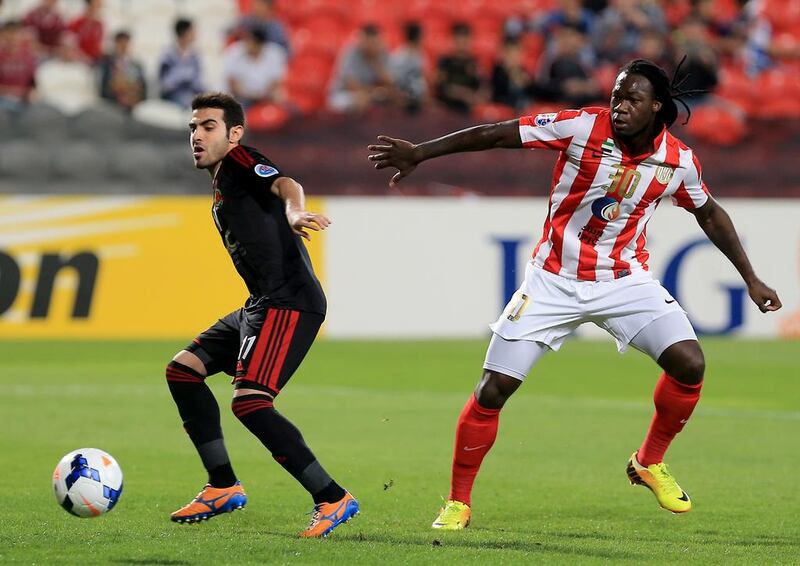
column 602, row 198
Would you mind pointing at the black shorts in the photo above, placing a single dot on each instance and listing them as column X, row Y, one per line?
column 259, row 346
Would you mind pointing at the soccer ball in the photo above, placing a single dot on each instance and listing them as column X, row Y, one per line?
column 87, row 482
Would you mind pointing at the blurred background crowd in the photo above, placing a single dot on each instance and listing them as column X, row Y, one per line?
column 481, row 60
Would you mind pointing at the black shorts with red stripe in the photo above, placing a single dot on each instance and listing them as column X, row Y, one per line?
column 260, row 346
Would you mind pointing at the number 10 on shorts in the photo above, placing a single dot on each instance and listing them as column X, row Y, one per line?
column 516, row 306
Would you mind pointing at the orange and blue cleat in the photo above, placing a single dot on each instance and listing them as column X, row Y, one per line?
column 328, row 516
column 211, row 502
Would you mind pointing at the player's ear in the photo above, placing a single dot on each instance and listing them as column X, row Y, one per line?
column 656, row 106
column 235, row 134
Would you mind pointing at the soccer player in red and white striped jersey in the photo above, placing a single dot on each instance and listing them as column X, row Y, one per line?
column 614, row 166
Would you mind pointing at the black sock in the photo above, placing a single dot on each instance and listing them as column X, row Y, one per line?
column 200, row 413
column 286, row 445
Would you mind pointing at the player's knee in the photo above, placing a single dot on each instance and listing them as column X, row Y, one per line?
column 246, row 401
column 494, row 390
column 692, row 369
column 188, row 359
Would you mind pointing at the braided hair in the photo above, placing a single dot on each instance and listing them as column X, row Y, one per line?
column 666, row 91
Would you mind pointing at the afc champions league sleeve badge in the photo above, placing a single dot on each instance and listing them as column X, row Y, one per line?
column 263, row 170
column 664, row 174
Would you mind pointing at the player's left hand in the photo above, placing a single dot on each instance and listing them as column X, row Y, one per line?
column 302, row 220
column 765, row 298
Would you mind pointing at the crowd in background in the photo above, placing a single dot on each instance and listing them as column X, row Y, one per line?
column 566, row 55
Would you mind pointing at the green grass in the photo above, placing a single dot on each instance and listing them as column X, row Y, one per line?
column 553, row 490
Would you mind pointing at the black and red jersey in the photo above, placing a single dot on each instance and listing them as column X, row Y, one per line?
column 271, row 259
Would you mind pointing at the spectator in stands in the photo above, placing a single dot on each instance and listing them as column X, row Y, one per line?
column 566, row 78
column 700, row 68
column 458, row 85
column 66, row 81
column 761, row 49
column 262, row 17
column 180, row 76
column 254, row 70
column 89, row 30
column 407, row 68
column 18, row 61
column 511, row 81
column 361, row 77
column 616, row 32
column 569, row 12
column 653, row 46
column 48, row 23
column 121, row 77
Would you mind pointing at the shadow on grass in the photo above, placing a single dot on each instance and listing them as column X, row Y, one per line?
column 436, row 541
column 154, row 561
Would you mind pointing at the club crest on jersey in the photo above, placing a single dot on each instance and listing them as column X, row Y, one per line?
column 606, row 208
column 544, row 119
column 265, row 170
column 664, row 174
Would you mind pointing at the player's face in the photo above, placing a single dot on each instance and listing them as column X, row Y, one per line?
column 209, row 137
column 633, row 108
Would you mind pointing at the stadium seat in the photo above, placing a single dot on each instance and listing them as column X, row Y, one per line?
column 80, row 161
column 24, row 160
column 493, row 112
column 44, row 122
column 162, row 114
column 102, row 122
column 139, row 162
column 717, row 124
column 263, row 117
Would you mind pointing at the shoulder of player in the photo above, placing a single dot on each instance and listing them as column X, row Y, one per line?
column 251, row 160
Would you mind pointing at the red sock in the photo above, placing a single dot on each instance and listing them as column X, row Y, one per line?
column 674, row 403
column 475, row 434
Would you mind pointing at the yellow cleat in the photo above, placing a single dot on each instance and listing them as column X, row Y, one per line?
column 656, row 478
column 454, row 516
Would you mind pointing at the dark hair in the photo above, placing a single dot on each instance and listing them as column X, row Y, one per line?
column 371, row 30
column 413, row 32
column 666, row 91
column 122, row 34
column 232, row 111
column 182, row 26
column 461, row 28
column 258, row 35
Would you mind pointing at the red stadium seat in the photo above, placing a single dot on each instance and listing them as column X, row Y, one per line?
column 493, row 112
column 263, row 117
column 736, row 87
column 720, row 125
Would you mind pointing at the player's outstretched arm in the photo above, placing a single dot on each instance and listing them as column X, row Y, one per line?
column 718, row 226
column 300, row 219
column 405, row 156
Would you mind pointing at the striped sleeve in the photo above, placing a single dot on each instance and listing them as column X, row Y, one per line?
column 550, row 131
column 692, row 193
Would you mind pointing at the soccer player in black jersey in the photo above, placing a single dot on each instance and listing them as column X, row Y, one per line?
column 261, row 217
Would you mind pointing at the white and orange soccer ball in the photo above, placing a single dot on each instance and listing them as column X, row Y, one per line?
column 87, row 482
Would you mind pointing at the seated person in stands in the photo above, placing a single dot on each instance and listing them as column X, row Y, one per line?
column 361, row 77
column 511, row 81
column 700, row 68
column 262, row 17
column 89, row 29
column 180, row 76
column 407, row 68
column 254, row 70
column 565, row 77
column 18, row 62
column 122, row 77
column 48, row 23
column 458, row 85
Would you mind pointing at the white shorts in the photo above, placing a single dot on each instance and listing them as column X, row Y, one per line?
column 547, row 308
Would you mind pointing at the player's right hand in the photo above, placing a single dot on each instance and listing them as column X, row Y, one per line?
column 765, row 298
column 397, row 153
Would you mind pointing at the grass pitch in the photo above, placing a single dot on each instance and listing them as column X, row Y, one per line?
column 380, row 417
